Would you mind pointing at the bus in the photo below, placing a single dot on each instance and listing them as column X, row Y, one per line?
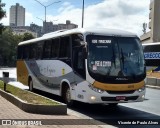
column 152, row 56
column 96, row 66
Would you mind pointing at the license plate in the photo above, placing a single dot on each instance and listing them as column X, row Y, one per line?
column 120, row 98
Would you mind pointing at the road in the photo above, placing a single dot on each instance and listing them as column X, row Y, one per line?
column 149, row 109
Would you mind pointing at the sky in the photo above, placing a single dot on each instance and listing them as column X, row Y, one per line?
column 126, row 15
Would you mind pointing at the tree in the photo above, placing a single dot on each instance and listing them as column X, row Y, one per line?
column 2, row 14
column 8, row 49
column 27, row 36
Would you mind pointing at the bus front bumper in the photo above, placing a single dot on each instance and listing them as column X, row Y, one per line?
column 105, row 97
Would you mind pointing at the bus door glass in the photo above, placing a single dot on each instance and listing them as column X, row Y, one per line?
column 77, row 55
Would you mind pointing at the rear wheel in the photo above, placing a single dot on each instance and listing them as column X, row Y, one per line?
column 30, row 85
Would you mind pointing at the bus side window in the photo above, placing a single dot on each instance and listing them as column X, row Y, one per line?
column 65, row 48
column 39, row 50
column 20, row 52
column 26, row 52
column 78, row 61
column 55, row 47
column 47, row 49
column 33, row 51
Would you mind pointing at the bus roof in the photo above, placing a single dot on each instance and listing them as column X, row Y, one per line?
column 96, row 31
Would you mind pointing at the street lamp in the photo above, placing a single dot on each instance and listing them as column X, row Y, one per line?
column 45, row 6
column 82, row 13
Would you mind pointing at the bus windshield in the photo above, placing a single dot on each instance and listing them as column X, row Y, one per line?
column 114, row 57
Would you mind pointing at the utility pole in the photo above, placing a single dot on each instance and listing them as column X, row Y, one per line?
column 45, row 7
column 82, row 13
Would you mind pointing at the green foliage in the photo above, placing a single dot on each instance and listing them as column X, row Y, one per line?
column 27, row 36
column 8, row 49
column 2, row 12
column 27, row 96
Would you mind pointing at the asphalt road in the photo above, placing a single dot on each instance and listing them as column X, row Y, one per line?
column 148, row 110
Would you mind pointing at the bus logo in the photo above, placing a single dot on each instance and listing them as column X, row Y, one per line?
column 121, row 79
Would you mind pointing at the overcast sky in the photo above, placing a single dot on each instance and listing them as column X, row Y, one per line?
column 118, row 14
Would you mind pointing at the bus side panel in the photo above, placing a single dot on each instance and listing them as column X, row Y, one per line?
column 22, row 72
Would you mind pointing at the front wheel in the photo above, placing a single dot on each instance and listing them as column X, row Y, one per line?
column 67, row 97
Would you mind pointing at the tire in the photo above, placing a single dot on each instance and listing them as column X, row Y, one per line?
column 31, row 85
column 67, row 97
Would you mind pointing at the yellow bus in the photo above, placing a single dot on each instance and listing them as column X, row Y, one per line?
column 96, row 66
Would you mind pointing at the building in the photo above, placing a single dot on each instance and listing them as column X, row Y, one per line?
column 37, row 29
column 68, row 25
column 154, row 25
column 50, row 27
column 47, row 27
column 23, row 31
column 17, row 15
column 34, row 29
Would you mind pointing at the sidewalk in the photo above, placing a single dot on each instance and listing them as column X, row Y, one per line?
column 9, row 111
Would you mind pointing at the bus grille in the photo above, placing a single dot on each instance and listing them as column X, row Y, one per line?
column 120, row 92
column 114, row 98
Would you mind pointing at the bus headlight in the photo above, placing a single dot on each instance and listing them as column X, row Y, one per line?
column 95, row 89
column 141, row 89
column 93, row 98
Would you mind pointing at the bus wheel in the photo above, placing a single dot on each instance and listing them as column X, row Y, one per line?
column 67, row 97
column 30, row 85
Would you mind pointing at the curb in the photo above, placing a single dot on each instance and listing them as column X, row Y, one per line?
column 34, row 108
column 153, row 87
